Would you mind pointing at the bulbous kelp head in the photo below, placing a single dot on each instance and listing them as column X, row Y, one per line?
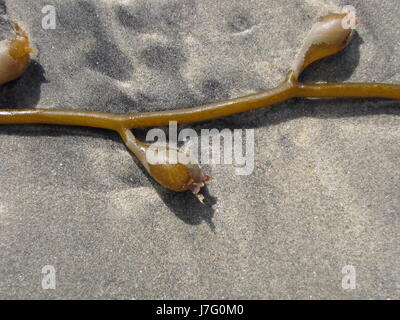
column 175, row 170
column 170, row 167
column 14, row 55
column 178, row 176
column 327, row 37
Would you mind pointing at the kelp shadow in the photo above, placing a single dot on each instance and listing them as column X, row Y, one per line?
column 187, row 207
column 184, row 205
column 25, row 91
column 336, row 68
